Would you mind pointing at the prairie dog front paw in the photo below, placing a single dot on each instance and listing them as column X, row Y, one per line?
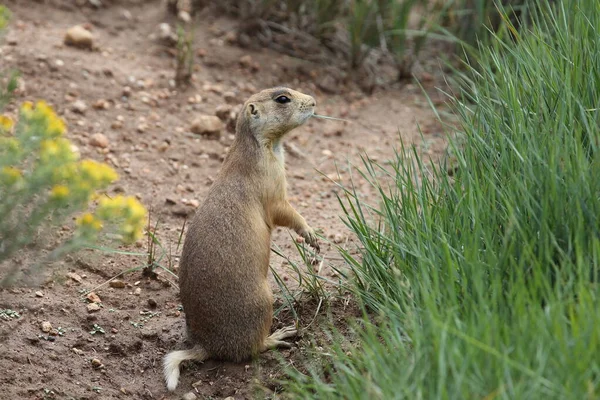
column 310, row 237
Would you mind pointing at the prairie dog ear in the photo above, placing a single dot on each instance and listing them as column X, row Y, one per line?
column 253, row 110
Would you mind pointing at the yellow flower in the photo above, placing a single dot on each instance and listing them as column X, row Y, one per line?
column 64, row 173
column 56, row 150
column 128, row 211
column 59, row 192
column 98, row 174
column 88, row 221
column 54, row 125
column 6, row 123
column 10, row 175
column 136, row 211
column 27, row 109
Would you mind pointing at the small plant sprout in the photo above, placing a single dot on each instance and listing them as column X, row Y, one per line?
column 97, row 329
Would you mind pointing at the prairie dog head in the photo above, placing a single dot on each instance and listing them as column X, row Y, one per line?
column 270, row 114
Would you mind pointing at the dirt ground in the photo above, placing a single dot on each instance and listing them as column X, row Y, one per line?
column 123, row 90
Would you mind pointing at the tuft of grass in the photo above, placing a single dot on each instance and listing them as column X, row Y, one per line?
column 184, row 67
column 485, row 284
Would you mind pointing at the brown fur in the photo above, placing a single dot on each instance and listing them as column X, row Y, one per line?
column 223, row 277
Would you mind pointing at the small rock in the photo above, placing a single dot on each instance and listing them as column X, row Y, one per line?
column 194, row 203
column 327, row 153
column 208, row 125
column 93, row 297
column 59, row 63
column 230, row 98
column 74, row 277
column 163, row 146
column 137, row 291
column 39, row 294
column 78, row 36
column 223, row 112
column 246, row 61
column 117, row 284
column 77, row 351
column 149, row 333
column 152, row 303
column 93, row 307
column 96, row 363
column 181, row 211
column 166, row 34
column 46, row 326
column 170, row 200
column 189, row 396
column 79, row 107
column 101, row 105
column 99, row 140
column 338, row 238
column 229, row 398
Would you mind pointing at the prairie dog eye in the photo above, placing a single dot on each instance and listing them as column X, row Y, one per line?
column 283, row 99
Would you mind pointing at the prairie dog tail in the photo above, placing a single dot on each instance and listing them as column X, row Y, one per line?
column 173, row 359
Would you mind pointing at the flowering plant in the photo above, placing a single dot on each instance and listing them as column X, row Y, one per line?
column 43, row 182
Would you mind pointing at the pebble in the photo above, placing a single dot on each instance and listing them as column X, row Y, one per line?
column 224, row 112
column 327, row 153
column 39, row 294
column 195, row 99
column 93, row 297
column 101, row 105
column 77, row 351
column 96, row 363
column 74, row 277
column 59, row 63
column 46, row 326
column 78, row 36
column 99, row 140
column 246, row 61
column 93, row 307
column 137, row 291
column 117, row 284
column 181, row 211
column 230, row 98
column 208, row 125
column 338, row 238
column 126, row 14
column 79, row 107
column 189, row 396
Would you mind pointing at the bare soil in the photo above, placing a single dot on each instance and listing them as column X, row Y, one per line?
column 125, row 84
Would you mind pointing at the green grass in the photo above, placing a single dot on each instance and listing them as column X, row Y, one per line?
column 484, row 285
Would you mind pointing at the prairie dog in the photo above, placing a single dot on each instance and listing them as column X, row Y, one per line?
column 226, row 297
